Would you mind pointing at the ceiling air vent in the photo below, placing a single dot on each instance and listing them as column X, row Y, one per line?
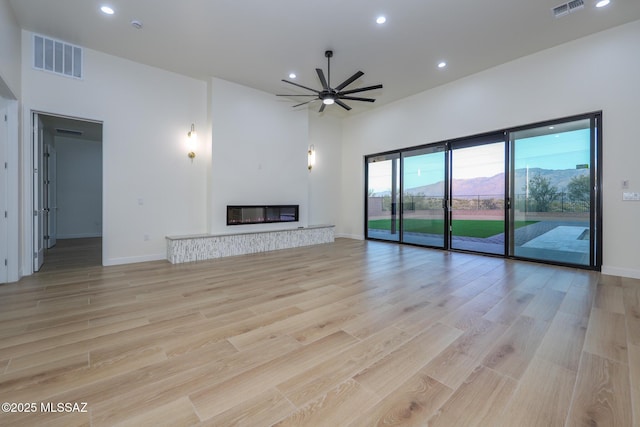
column 57, row 57
column 566, row 8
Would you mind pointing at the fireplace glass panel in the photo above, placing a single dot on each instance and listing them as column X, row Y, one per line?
column 238, row 215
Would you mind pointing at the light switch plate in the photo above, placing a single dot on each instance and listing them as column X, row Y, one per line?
column 626, row 195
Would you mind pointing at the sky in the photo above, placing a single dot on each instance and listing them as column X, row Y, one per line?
column 559, row 151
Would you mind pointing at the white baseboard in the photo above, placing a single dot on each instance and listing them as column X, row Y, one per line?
column 78, row 236
column 134, row 259
column 350, row 236
column 619, row 271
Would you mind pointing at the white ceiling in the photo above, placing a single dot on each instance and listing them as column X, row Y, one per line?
column 257, row 43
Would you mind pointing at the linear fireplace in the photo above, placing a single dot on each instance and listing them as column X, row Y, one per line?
column 261, row 214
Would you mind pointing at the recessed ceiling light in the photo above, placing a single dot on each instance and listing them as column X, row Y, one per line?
column 602, row 3
column 442, row 64
column 292, row 75
column 381, row 20
column 107, row 10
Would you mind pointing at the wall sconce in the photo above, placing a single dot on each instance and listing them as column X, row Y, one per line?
column 311, row 157
column 192, row 141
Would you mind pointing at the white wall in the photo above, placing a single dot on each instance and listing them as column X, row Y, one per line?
column 259, row 154
column 325, row 184
column 9, row 52
column 150, row 186
column 599, row 72
column 79, row 188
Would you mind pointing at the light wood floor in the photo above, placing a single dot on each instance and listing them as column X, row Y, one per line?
column 346, row 334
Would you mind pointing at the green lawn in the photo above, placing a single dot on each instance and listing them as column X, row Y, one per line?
column 461, row 227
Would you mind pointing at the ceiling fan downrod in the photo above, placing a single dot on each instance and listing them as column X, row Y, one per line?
column 329, row 55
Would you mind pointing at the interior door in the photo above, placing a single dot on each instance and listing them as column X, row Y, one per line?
column 4, row 190
column 38, row 194
column 477, row 207
column 51, row 207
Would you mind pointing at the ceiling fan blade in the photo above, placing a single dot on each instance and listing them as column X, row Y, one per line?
column 355, row 98
column 342, row 104
column 302, row 103
column 303, row 87
column 322, row 107
column 349, row 81
column 362, row 89
column 323, row 81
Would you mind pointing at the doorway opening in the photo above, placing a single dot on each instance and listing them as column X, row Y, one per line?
column 67, row 190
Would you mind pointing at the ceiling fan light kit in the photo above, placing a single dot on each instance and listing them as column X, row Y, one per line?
column 329, row 95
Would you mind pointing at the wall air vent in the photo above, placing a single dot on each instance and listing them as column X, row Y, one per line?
column 561, row 10
column 566, row 8
column 57, row 57
column 576, row 4
column 69, row 132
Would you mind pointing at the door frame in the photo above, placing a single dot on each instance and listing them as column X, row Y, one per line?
column 28, row 190
column 12, row 189
column 4, row 193
column 595, row 213
column 396, row 207
column 430, row 149
column 37, row 168
column 596, row 221
column 476, row 141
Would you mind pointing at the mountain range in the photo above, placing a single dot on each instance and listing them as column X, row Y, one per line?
column 494, row 185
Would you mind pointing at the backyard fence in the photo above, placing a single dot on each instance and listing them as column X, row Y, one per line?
column 560, row 203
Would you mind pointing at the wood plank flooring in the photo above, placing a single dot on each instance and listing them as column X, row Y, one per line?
column 352, row 333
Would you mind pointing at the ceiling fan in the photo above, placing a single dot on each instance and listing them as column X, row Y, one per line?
column 329, row 95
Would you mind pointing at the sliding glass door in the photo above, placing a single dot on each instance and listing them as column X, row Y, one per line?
column 423, row 196
column 477, row 194
column 383, row 197
column 552, row 192
column 531, row 192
